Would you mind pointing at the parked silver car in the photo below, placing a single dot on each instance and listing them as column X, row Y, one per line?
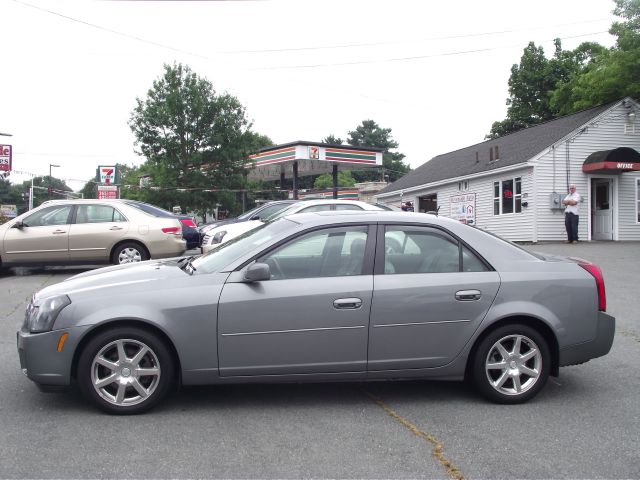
column 321, row 297
column 67, row 232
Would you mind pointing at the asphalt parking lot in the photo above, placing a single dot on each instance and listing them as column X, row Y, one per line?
column 584, row 424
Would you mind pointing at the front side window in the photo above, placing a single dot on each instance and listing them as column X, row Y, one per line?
column 507, row 196
column 54, row 215
column 324, row 253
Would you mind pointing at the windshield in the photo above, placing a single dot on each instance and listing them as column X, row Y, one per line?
column 282, row 213
column 233, row 249
column 248, row 213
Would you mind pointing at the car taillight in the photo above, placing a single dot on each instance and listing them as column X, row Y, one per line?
column 597, row 274
column 188, row 223
column 173, row 230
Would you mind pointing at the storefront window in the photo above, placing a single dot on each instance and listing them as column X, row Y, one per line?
column 507, row 196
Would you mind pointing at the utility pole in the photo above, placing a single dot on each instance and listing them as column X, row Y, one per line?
column 50, row 187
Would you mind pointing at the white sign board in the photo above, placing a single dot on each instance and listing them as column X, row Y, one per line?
column 107, row 192
column 463, row 208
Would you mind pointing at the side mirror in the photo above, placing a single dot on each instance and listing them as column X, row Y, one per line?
column 255, row 217
column 18, row 224
column 257, row 272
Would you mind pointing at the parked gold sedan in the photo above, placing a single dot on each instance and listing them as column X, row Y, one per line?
column 88, row 231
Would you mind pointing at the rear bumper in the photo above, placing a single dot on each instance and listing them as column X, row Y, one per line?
column 599, row 346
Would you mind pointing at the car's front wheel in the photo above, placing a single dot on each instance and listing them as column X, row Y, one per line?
column 125, row 370
column 511, row 364
column 129, row 252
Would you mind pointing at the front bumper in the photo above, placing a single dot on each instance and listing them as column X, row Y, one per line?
column 599, row 346
column 40, row 360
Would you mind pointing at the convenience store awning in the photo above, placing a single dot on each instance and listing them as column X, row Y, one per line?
column 301, row 158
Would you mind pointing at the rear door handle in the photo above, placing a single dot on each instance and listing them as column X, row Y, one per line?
column 58, row 232
column 115, row 228
column 468, row 295
column 347, row 303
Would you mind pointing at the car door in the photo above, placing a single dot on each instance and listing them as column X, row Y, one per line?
column 42, row 238
column 96, row 229
column 431, row 293
column 312, row 316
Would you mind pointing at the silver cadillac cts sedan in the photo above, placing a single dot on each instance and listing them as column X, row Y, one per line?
column 321, row 297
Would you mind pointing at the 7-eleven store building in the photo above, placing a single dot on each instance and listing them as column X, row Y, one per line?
column 293, row 160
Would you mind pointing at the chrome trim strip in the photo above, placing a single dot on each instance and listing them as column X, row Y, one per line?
column 291, row 331
column 420, row 323
column 37, row 251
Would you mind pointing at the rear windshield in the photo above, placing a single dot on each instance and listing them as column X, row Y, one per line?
column 533, row 254
column 150, row 209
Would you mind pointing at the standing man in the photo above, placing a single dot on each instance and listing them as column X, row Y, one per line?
column 572, row 214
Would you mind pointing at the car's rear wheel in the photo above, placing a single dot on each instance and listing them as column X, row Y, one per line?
column 129, row 252
column 125, row 370
column 511, row 364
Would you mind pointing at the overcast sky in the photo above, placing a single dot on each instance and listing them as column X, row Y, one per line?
column 434, row 72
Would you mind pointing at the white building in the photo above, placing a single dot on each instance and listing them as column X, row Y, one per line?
column 513, row 185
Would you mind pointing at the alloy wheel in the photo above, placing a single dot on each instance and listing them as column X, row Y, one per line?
column 125, row 372
column 513, row 365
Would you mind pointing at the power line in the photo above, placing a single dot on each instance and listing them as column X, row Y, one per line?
column 399, row 42
column 412, row 58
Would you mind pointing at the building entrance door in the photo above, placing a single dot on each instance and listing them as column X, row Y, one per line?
column 602, row 209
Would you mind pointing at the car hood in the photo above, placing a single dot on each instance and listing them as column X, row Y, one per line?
column 117, row 276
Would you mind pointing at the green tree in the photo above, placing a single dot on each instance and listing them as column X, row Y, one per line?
column 13, row 195
column 613, row 73
column 192, row 138
column 535, row 78
column 332, row 140
column 370, row 134
column 326, row 180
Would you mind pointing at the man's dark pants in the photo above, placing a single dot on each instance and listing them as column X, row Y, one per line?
column 571, row 224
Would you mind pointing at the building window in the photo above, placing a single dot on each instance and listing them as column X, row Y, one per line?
column 507, row 196
column 463, row 186
column 638, row 200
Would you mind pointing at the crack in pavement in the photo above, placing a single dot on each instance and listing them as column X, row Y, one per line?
column 438, row 449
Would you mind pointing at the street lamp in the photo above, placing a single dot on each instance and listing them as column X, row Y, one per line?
column 50, row 188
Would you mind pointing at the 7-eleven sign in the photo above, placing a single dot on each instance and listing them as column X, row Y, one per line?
column 107, row 175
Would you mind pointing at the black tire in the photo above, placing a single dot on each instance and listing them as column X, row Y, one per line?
column 128, row 391
column 129, row 252
column 518, row 377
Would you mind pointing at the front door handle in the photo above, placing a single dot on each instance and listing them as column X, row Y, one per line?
column 58, row 232
column 468, row 295
column 347, row 303
column 115, row 228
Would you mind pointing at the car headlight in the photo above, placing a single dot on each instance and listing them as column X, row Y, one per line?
column 41, row 314
column 217, row 238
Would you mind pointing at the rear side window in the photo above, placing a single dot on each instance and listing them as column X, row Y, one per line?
column 413, row 249
column 98, row 214
column 348, row 207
